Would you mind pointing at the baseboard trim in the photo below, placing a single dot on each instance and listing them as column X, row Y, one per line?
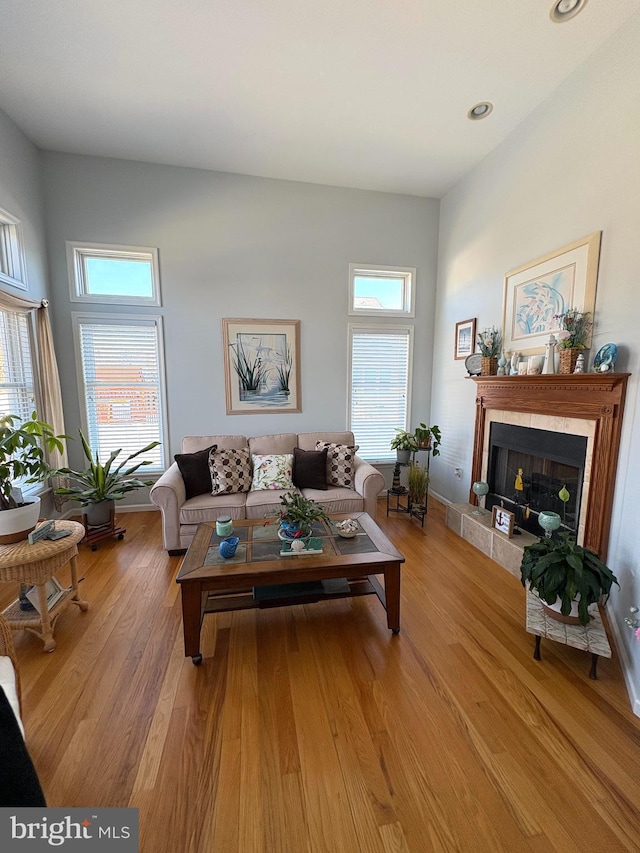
column 625, row 662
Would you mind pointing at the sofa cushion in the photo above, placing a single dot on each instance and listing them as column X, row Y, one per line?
column 310, row 468
column 194, row 468
column 282, row 442
column 308, row 440
column 191, row 443
column 209, row 507
column 273, row 471
column 265, row 503
column 230, row 471
column 340, row 463
column 336, row 499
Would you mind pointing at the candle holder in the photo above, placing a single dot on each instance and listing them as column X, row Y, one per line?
column 480, row 489
column 549, row 521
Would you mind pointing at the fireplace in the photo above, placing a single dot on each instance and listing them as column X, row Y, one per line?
column 530, row 470
column 588, row 406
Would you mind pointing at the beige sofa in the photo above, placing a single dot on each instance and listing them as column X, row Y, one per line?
column 180, row 517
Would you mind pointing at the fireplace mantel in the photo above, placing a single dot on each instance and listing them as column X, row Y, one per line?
column 598, row 397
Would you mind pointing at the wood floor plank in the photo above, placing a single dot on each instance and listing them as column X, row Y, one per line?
column 313, row 729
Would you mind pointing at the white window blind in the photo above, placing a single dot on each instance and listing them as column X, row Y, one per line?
column 379, row 392
column 17, row 392
column 123, row 384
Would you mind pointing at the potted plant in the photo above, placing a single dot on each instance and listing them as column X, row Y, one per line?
column 418, row 482
column 99, row 485
column 567, row 577
column 489, row 342
column 22, row 456
column 404, row 443
column 298, row 514
column 428, row 438
column 572, row 336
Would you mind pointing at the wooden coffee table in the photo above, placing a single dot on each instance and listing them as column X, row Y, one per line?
column 211, row 584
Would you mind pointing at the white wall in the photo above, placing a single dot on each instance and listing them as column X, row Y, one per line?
column 20, row 195
column 572, row 168
column 238, row 246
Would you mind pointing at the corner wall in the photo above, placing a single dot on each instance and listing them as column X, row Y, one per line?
column 570, row 169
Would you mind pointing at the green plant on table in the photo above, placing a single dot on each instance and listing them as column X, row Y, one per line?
column 296, row 509
column 418, row 482
column 102, row 482
column 403, row 440
column 428, row 436
column 22, row 453
column 560, row 568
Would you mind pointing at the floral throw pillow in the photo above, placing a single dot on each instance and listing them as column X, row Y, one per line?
column 230, row 471
column 340, row 463
column 272, row 471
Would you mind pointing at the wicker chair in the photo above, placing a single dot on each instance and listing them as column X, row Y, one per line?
column 7, row 648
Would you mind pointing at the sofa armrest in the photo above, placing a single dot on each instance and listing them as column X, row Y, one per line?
column 369, row 482
column 169, row 494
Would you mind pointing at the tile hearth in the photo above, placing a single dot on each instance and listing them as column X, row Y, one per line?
column 477, row 531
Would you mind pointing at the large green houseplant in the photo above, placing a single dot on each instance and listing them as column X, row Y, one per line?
column 428, row 437
column 559, row 568
column 22, row 457
column 102, row 483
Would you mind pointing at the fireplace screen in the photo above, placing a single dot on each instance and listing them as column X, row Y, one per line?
column 532, row 470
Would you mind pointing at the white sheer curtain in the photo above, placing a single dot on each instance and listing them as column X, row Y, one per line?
column 49, row 378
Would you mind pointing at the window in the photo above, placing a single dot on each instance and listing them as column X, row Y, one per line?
column 17, row 393
column 126, row 275
column 382, row 291
column 13, row 269
column 122, row 384
column 380, row 379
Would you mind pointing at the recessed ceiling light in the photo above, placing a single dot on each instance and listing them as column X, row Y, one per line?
column 563, row 10
column 480, row 110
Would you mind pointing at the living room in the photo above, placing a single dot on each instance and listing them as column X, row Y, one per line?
column 237, row 245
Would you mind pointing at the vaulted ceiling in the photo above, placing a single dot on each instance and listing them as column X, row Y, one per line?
column 358, row 93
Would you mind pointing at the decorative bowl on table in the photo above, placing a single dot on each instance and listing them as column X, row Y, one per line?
column 347, row 528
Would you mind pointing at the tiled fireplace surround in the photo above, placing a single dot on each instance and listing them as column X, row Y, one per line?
column 588, row 405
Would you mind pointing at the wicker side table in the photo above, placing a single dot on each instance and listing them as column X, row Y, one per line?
column 36, row 564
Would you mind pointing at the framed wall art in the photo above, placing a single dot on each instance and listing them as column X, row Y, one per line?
column 537, row 292
column 261, row 366
column 503, row 521
column 465, row 342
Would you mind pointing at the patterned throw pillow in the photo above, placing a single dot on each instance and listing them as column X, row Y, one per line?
column 340, row 463
column 230, row 471
column 273, row 471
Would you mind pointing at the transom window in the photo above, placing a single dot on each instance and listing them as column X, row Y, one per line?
column 379, row 383
column 382, row 291
column 12, row 264
column 126, row 275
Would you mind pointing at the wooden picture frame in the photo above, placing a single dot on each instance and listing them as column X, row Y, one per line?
column 503, row 521
column 465, row 342
column 537, row 292
column 261, row 366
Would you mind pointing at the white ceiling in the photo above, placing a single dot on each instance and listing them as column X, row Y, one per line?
column 358, row 93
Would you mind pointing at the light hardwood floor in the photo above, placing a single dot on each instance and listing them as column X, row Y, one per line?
column 312, row 728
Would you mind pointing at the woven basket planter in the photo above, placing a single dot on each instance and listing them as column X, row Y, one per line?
column 568, row 358
column 489, row 366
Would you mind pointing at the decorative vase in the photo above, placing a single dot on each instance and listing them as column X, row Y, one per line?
column 228, row 547
column 568, row 358
column 489, row 366
column 502, row 363
column 224, row 526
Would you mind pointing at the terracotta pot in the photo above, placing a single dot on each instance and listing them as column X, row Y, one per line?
column 489, row 366
column 568, row 358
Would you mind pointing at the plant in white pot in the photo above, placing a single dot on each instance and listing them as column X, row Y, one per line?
column 22, row 458
column 99, row 485
column 567, row 577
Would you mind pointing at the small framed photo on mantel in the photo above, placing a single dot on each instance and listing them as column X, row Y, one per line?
column 503, row 521
column 465, row 342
